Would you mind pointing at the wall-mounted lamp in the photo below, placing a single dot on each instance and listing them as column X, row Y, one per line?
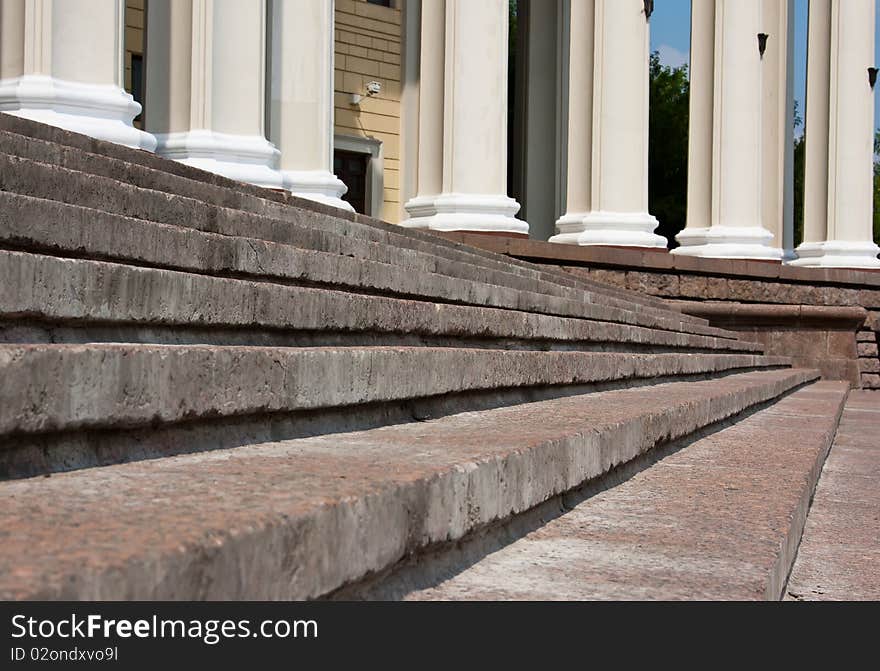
column 872, row 76
column 373, row 88
column 649, row 8
column 762, row 43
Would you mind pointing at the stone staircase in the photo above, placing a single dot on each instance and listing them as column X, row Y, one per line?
column 213, row 391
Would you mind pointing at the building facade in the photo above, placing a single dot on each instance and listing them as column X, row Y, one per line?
column 401, row 109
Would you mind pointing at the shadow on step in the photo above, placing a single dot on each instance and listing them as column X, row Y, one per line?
column 31, row 455
column 442, row 562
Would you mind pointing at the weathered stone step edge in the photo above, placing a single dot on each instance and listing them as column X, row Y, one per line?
column 38, row 133
column 48, row 227
column 25, row 177
column 837, row 556
column 696, row 525
column 21, row 268
column 71, row 387
column 302, row 518
column 98, row 296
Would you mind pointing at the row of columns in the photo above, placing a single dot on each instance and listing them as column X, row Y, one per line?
column 245, row 89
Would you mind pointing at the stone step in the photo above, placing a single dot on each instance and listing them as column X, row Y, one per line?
column 71, row 387
column 53, row 190
column 840, row 550
column 25, row 138
column 50, row 299
column 74, row 231
column 698, row 524
column 302, row 518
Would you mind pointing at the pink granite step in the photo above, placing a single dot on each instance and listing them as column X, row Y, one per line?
column 302, row 518
column 719, row 519
column 839, row 556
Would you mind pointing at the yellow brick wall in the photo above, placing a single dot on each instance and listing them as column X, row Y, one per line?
column 368, row 41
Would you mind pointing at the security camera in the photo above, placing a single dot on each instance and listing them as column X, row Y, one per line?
column 373, row 88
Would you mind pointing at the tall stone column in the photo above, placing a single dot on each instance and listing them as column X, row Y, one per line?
column 474, row 153
column 701, row 114
column 61, row 64
column 206, row 87
column 301, row 98
column 840, row 130
column 429, row 167
column 579, row 181
column 778, row 132
column 619, row 137
column 735, row 229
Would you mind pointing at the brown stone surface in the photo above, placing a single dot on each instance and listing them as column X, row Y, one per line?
column 839, row 555
column 299, row 518
column 699, row 524
column 118, row 385
column 623, row 257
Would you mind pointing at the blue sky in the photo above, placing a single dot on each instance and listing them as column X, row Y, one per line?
column 670, row 35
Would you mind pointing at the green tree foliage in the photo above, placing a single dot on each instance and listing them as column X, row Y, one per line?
column 668, row 147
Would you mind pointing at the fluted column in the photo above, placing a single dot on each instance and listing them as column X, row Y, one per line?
column 619, row 136
column 838, row 203
column 301, row 98
column 474, row 153
column 432, row 57
column 735, row 229
column 206, row 87
column 578, row 200
column 701, row 114
column 61, row 64
column 778, row 132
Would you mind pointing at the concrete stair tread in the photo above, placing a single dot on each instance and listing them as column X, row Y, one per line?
column 22, row 137
column 840, row 550
column 49, row 298
column 301, row 518
column 306, row 246
column 77, row 386
column 696, row 525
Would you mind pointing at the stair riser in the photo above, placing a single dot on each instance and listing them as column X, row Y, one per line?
column 315, row 551
column 60, row 291
column 93, row 386
column 36, row 222
column 282, row 224
column 30, row 455
column 146, row 171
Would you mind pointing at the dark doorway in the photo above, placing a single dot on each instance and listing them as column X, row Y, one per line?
column 351, row 168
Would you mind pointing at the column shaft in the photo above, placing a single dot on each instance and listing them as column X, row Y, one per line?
column 619, row 134
column 301, row 107
column 579, row 180
column 736, row 229
column 474, row 129
column 778, row 139
column 849, row 215
column 61, row 64
column 701, row 112
column 213, row 113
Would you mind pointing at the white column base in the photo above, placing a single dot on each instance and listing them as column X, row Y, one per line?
column 618, row 229
column 728, row 242
column 837, row 254
column 321, row 186
column 465, row 212
column 245, row 158
column 101, row 111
